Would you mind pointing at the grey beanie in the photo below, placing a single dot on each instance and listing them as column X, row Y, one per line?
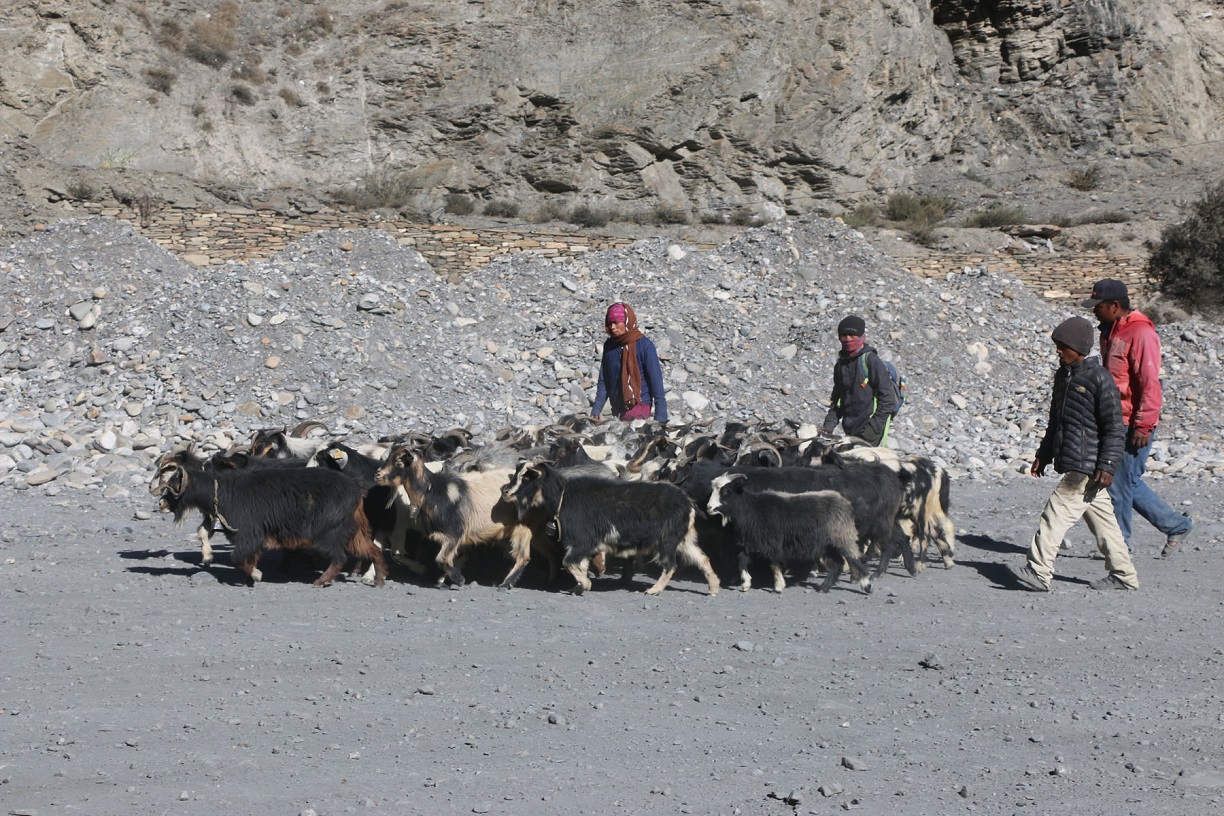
column 1076, row 333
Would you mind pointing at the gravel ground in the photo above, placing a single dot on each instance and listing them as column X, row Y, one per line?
column 135, row 682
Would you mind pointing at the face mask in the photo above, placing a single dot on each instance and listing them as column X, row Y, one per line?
column 852, row 345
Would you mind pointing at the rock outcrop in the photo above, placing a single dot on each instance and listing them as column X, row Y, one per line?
column 722, row 110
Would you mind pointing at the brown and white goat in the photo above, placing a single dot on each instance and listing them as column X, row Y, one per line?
column 461, row 510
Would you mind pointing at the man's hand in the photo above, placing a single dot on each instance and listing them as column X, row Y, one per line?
column 1038, row 467
column 1102, row 479
column 1141, row 439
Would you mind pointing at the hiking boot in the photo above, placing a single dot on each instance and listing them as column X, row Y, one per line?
column 1175, row 541
column 1029, row 580
column 1109, row 582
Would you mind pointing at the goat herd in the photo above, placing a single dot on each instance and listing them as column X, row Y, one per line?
column 575, row 494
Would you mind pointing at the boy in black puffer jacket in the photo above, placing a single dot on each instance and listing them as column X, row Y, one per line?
column 1084, row 440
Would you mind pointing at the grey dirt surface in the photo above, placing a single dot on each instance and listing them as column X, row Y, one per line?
column 133, row 681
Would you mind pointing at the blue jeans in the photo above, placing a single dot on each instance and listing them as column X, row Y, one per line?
column 1130, row 493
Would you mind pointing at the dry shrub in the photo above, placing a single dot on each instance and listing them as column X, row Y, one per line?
column 864, row 215
column 921, row 232
column 382, row 189
column 1085, row 178
column 1090, row 217
column 242, row 95
column 250, row 71
column 459, row 204
column 586, row 216
column 82, row 191
column 290, row 96
column 1189, row 259
column 319, row 23
column 169, row 35
column 996, row 215
column 160, row 79
column 671, row 215
column 548, row 211
column 213, row 38
column 502, row 208
column 917, row 209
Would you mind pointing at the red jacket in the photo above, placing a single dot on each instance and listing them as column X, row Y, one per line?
column 1130, row 350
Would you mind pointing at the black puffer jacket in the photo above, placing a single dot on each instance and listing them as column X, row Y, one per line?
column 1085, row 432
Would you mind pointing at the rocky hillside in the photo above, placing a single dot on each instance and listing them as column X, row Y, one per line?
column 723, row 110
column 112, row 350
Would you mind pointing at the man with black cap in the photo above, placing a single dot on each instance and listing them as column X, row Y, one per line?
column 1130, row 350
column 1083, row 440
column 863, row 397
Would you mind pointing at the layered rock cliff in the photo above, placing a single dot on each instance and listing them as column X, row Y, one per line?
column 707, row 109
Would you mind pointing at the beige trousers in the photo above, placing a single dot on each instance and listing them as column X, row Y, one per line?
column 1071, row 501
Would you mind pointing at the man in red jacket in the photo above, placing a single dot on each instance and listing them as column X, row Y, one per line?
column 1130, row 350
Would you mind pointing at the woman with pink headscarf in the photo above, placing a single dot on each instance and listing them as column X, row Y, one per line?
column 629, row 374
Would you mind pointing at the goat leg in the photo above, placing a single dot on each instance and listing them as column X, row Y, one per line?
column 329, row 575
column 579, row 571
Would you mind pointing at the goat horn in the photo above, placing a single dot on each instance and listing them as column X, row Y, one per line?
column 305, row 427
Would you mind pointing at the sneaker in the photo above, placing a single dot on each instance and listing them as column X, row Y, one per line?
column 1108, row 582
column 1029, row 580
column 1175, row 541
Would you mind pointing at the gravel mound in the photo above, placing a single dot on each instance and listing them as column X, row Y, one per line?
column 113, row 350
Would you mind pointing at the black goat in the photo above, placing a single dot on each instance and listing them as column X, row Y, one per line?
column 390, row 523
column 594, row 516
column 281, row 508
column 789, row 530
column 221, row 461
column 925, row 502
column 875, row 492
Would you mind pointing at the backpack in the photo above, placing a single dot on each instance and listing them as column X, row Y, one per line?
column 898, row 380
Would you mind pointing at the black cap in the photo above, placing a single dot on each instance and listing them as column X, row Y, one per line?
column 852, row 325
column 1108, row 289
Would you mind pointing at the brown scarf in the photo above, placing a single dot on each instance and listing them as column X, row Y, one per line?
column 631, row 372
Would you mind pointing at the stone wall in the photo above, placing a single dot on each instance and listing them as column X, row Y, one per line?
column 1057, row 277
column 204, row 237
column 207, row 237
